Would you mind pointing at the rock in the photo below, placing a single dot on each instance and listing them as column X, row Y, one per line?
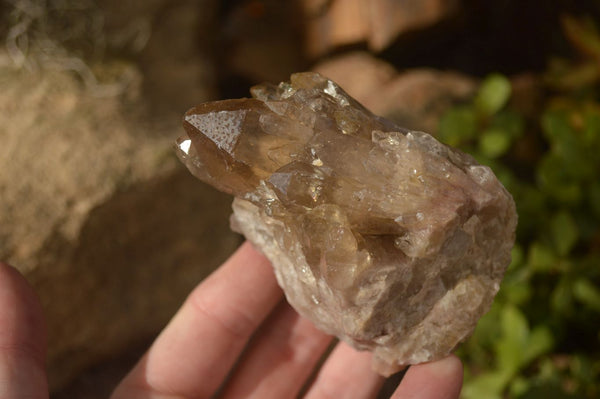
column 415, row 99
column 389, row 18
column 382, row 236
column 332, row 24
column 96, row 211
column 99, row 216
column 261, row 40
column 182, row 70
column 335, row 24
column 375, row 75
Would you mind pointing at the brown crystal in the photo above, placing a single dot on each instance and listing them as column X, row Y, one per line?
column 382, row 236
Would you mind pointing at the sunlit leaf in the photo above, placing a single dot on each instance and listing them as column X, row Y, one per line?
column 486, row 386
column 458, row 125
column 515, row 335
column 488, row 328
column 493, row 94
column 548, row 156
column 556, row 126
column 517, row 293
column 586, row 292
column 540, row 341
column 517, row 256
column 540, row 257
column 494, row 143
column 519, row 386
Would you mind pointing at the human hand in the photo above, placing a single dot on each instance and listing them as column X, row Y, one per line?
column 234, row 335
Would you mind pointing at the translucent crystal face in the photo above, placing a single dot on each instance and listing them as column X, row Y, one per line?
column 370, row 227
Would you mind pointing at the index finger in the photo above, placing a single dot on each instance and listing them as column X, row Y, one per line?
column 194, row 353
column 441, row 379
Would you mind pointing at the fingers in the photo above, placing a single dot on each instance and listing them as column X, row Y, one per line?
column 347, row 373
column 280, row 359
column 441, row 379
column 22, row 339
column 198, row 348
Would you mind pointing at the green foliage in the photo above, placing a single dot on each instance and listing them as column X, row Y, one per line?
column 493, row 95
column 541, row 338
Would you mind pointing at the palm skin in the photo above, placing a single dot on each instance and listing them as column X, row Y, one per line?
column 234, row 337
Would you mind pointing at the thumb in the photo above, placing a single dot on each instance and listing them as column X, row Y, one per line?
column 22, row 339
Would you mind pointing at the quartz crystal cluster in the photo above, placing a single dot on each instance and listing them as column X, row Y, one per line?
column 381, row 236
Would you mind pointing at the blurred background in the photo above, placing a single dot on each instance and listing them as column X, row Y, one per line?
column 113, row 233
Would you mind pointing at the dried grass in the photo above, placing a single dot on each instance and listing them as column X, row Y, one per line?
column 67, row 35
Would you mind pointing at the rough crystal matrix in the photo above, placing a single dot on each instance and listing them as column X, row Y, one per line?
column 382, row 236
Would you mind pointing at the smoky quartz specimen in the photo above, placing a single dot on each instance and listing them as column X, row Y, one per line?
column 382, row 236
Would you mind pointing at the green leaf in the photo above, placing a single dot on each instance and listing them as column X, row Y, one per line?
column 591, row 133
column 594, row 198
column 516, row 256
column 486, row 386
column 510, row 122
column 586, row 292
column 548, row 390
column 583, row 368
column 494, row 143
column 555, row 182
column 517, row 293
column 493, row 94
column 519, row 386
column 515, row 335
column 532, row 207
column 457, row 125
column 540, row 257
column 583, row 33
column 564, row 232
column 505, row 176
column 556, row 126
column 540, row 342
column 569, row 146
column 562, row 296
column 488, row 328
